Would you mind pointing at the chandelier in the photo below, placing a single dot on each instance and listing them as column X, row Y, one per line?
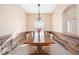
column 39, row 24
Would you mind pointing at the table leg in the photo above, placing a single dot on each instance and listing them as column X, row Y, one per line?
column 40, row 51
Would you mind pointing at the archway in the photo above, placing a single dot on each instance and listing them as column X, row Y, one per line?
column 69, row 22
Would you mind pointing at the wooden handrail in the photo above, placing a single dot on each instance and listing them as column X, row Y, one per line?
column 66, row 34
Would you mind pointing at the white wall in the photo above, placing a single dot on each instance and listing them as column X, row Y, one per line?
column 12, row 17
column 57, row 17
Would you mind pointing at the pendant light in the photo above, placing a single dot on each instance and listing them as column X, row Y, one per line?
column 39, row 18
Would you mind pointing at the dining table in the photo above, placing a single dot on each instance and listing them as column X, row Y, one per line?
column 47, row 42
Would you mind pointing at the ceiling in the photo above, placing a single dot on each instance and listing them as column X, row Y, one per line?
column 33, row 8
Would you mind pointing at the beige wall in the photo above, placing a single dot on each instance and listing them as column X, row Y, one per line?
column 78, row 19
column 70, row 12
column 12, row 17
column 47, row 18
column 57, row 18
